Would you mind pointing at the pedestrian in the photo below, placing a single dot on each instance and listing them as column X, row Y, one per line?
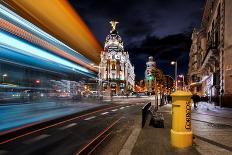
column 169, row 98
column 165, row 99
column 196, row 99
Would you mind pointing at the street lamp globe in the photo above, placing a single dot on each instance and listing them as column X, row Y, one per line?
column 173, row 62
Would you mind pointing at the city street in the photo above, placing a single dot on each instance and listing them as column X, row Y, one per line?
column 81, row 133
column 125, row 77
column 16, row 115
column 115, row 128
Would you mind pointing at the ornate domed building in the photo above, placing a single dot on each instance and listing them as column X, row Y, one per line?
column 115, row 69
column 149, row 79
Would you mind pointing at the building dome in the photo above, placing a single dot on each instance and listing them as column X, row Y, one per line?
column 150, row 63
column 113, row 40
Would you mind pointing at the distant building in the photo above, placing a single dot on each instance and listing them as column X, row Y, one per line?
column 115, row 69
column 195, row 61
column 139, row 86
column 149, row 79
column 210, row 65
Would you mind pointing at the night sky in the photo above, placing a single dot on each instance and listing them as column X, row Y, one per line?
column 160, row 28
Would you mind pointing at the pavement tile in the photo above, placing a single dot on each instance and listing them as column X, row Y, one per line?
column 152, row 141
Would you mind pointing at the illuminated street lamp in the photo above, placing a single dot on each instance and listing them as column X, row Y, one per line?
column 175, row 63
column 182, row 76
column 3, row 77
column 99, row 79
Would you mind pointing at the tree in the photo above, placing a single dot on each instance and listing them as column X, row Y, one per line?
column 159, row 79
column 158, row 75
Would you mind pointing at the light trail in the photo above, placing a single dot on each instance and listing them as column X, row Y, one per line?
column 15, row 24
column 30, row 37
column 59, row 19
column 10, row 16
column 53, row 125
column 24, row 48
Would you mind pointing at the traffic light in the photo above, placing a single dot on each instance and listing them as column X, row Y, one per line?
column 150, row 77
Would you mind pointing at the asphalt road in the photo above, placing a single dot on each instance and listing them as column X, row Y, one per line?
column 83, row 133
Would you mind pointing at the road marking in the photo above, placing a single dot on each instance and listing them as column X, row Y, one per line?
column 89, row 118
column 68, row 126
column 127, row 106
column 104, row 113
column 129, row 144
column 36, row 138
column 50, row 126
column 99, row 143
column 122, row 107
column 98, row 136
column 114, row 110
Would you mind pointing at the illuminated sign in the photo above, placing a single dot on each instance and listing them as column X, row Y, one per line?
column 113, row 47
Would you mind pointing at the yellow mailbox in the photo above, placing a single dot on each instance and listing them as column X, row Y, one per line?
column 181, row 132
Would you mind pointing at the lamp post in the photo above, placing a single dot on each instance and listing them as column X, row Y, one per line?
column 175, row 63
column 99, row 78
column 171, row 78
column 3, row 77
column 182, row 76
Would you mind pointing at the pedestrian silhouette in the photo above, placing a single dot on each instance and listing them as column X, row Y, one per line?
column 196, row 99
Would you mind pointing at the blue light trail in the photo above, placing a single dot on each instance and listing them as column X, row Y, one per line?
column 24, row 24
column 23, row 51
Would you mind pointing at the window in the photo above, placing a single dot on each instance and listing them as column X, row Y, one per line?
column 113, row 75
column 218, row 11
column 113, row 66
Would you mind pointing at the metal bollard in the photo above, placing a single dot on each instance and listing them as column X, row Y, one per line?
column 145, row 113
column 181, row 132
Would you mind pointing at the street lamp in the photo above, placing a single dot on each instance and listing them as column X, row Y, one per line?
column 3, row 77
column 99, row 79
column 182, row 76
column 175, row 63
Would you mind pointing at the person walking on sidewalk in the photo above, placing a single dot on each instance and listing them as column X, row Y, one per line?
column 169, row 98
column 196, row 99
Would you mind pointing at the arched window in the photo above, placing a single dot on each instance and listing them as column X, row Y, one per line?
column 113, row 66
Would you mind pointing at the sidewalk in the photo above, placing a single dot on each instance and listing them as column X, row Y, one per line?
column 212, row 130
column 212, row 127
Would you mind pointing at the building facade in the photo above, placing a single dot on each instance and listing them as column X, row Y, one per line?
column 149, row 79
column 115, row 69
column 210, row 65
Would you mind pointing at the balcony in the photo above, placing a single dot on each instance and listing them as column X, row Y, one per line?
column 211, row 54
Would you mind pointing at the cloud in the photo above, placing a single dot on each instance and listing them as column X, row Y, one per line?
column 161, row 28
column 164, row 50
